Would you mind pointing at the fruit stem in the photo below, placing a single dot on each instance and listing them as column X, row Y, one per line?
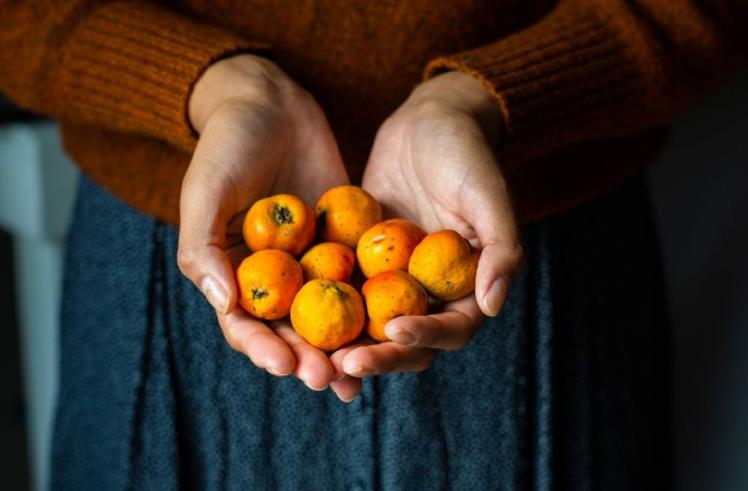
column 337, row 290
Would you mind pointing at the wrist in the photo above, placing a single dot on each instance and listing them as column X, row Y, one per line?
column 457, row 91
column 241, row 77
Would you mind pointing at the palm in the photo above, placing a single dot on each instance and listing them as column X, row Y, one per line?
column 264, row 155
column 421, row 178
column 435, row 167
column 246, row 152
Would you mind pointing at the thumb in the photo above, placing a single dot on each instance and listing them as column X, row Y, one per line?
column 489, row 211
column 205, row 208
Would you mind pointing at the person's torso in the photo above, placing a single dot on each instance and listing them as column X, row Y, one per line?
column 361, row 58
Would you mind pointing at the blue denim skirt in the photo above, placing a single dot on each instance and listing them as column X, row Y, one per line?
column 567, row 389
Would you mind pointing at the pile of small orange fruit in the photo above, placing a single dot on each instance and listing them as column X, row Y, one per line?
column 401, row 263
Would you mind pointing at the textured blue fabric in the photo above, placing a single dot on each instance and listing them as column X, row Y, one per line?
column 566, row 389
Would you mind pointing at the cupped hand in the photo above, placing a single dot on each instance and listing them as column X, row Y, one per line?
column 260, row 134
column 434, row 162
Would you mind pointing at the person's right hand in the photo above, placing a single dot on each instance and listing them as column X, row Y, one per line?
column 260, row 134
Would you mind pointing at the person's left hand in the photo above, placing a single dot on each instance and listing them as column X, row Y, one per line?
column 433, row 162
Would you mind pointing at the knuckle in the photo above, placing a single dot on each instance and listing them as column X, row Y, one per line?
column 460, row 340
column 186, row 260
column 516, row 256
column 516, row 253
column 424, row 337
column 232, row 338
column 509, row 255
column 463, row 338
column 424, row 363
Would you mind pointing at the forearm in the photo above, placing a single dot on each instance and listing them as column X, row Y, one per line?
column 595, row 69
column 127, row 66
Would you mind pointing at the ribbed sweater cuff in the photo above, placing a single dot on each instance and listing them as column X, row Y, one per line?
column 561, row 80
column 131, row 66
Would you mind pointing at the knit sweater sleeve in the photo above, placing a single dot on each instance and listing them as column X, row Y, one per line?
column 127, row 66
column 595, row 69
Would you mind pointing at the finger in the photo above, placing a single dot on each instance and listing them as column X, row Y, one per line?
column 208, row 267
column 347, row 388
column 489, row 210
column 205, row 209
column 312, row 365
column 451, row 329
column 264, row 348
column 497, row 267
column 337, row 357
column 387, row 357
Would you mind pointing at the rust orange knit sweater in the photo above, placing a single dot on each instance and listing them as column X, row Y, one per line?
column 585, row 86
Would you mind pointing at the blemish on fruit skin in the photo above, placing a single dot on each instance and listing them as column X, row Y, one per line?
column 258, row 293
column 282, row 215
column 337, row 290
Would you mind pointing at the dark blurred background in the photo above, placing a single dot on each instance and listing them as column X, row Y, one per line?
column 13, row 448
column 699, row 189
column 13, row 442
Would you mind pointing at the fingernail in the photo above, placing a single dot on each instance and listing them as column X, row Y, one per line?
column 344, row 399
column 215, row 294
column 352, row 368
column 275, row 372
column 495, row 297
column 316, row 389
column 341, row 377
column 400, row 336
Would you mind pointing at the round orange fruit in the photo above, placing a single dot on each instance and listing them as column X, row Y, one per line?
column 282, row 222
column 445, row 264
column 327, row 314
column 328, row 261
column 268, row 281
column 387, row 246
column 391, row 294
column 346, row 212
